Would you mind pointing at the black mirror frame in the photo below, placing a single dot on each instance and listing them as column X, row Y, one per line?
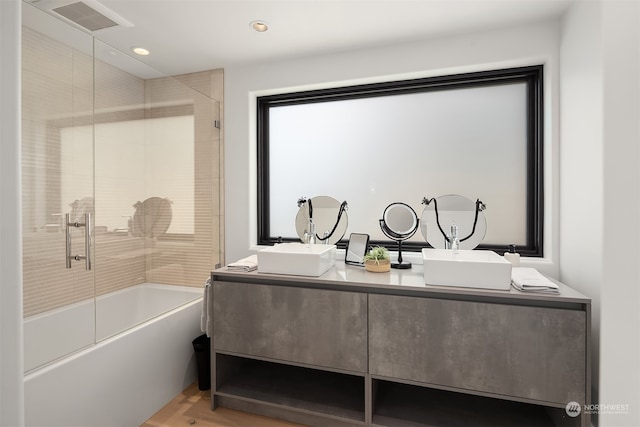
column 531, row 75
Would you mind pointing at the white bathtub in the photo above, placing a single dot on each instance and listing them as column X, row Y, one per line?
column 129, row 374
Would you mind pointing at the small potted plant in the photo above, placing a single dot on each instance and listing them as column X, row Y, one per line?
column 377, row 260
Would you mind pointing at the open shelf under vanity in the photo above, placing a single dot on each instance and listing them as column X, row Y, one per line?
column 308, row 390
column 406, row 405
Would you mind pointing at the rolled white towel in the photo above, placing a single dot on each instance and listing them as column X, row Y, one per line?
column 205, row 323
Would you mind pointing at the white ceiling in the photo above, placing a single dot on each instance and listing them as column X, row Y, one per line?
column 194, row 35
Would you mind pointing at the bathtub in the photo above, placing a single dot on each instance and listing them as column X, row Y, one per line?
column 129, row 374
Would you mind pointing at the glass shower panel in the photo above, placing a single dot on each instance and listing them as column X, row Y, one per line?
column 190, row 247
column 157, row 190
column 57, row 179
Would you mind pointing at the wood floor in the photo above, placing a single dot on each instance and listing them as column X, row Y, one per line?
column 193, row 408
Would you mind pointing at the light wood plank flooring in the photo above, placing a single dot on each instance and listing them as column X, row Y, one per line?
column 191, row 408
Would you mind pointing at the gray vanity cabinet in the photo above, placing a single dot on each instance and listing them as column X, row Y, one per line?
column 352, row 348
column 519, row 351
column 308, row 326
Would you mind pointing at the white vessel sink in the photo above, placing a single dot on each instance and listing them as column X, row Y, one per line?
column 466, row 268
column 297, row 258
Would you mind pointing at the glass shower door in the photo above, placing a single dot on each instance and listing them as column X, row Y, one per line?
column 57, row 187
column 133, row 157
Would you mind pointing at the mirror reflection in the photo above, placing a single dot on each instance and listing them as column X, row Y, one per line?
column 442, row 213
column 321, row 220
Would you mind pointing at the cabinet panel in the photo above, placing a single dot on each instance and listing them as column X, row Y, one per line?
column 521, row 351
column 311, row 326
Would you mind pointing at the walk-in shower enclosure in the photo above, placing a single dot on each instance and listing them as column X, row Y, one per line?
column 120, row 180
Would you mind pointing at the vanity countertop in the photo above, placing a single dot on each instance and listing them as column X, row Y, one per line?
column 397, row 282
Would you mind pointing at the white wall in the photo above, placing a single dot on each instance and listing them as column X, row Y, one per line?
column 581, row 169
column 620, row 292
column 511, row 47
column 11, row 384
column 600, row 190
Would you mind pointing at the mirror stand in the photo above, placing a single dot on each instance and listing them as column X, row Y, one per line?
column 400, row 265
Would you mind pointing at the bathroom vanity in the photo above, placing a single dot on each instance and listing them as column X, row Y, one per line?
column 355, row 348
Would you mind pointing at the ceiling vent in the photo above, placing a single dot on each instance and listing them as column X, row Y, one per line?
column 88, row 14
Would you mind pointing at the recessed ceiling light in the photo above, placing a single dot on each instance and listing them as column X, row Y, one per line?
column 259, row 26
column 140, row 51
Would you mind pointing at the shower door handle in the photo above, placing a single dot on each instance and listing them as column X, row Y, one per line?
column 87, row 241
column 68, row 240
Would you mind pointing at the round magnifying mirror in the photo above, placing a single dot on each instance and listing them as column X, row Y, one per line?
column 400, row 219
column 444, row 211
column 399, row 222
column 326, row 216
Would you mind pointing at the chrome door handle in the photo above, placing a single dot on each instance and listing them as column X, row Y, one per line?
column 68, row 240
column 87, row 241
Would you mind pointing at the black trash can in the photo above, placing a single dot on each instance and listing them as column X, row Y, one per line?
column 202, row 347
